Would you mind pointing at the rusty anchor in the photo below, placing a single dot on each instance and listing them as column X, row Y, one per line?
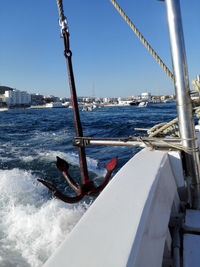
column 87, row 187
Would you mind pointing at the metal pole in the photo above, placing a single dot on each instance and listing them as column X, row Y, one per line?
column 184, row 105
column 172, row 144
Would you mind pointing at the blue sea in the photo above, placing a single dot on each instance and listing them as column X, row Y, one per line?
column 32, row 222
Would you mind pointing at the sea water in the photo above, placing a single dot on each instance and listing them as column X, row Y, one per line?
column 32, row 222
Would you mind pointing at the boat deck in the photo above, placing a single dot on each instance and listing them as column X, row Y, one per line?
column 191, row 239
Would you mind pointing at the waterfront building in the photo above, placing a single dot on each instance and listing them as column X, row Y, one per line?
column 50, row 98
column 64, row 99
column 87, row 99
column 163, row 97
column 5, row 88
column 97, row 100
column 2, row 100
column 36, row 99
column 146, row 96
column 106, row 99
column 17, row 98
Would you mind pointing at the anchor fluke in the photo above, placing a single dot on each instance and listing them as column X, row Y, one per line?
column 111, row 164
column 48, row 185
column 61, row 164
column 110, row 168
column 60, row 195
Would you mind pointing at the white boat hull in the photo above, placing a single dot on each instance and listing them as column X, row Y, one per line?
column 129, row 219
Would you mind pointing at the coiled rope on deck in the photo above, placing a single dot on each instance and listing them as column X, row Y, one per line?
column 164, row 129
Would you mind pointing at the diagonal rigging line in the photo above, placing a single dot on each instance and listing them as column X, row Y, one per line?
column 143, row 40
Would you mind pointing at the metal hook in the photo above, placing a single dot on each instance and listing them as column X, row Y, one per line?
column 63, row 25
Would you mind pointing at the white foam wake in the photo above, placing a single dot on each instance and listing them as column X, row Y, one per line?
column 71, row 158
column 31, row 225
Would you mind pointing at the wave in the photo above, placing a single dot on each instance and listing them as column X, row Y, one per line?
column 31, row 225
column 71, row 157
column 27, row 155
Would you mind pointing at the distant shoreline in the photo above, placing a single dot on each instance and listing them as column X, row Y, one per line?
column 80, row 106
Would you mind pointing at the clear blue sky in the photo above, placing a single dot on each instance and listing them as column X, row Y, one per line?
column 106, row 53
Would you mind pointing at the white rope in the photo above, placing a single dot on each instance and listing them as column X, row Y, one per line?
column 163, row 129
column 143, row 40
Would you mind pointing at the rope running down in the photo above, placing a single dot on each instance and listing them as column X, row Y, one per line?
column 163, row 128
column 60, row 10
column 143, row 40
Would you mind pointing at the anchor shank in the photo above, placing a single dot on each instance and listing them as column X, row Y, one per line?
column 77, row 121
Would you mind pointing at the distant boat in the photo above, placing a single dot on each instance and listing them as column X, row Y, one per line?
column 168, row 101
column 54, row 105
column 134, row 103
column 84, row 109
column 94, row 106
column 3, row 109
column 143, row 104
column 66, row 104
column 89, row 108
